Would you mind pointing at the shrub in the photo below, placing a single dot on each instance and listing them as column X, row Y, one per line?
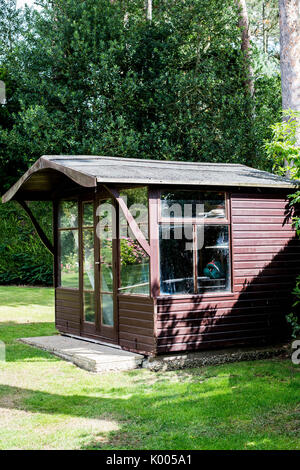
column 23, row 257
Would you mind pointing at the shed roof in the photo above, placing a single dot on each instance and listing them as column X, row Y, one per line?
column 51, row 171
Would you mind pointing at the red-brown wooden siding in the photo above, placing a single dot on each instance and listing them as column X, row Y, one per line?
column 136, row 323
column 67, row 310
column 265, row 257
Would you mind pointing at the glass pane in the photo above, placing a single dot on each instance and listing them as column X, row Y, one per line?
column 134, row 261
column 88, row 259
column 137, row 202
column 105, row 233
column 69, row 266
column 176, row 259
column 180, row 204
column 134, row 268
column 106, row 215
column 106, row 265
column 88, row 214
column 213, row 260
column 89, row 306
column 68, row 214
column 107, row 308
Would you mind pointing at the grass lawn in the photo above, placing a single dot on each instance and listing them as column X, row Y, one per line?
column 46, row 403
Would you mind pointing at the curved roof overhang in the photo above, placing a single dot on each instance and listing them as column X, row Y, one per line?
column 45, row 178
column 53, row 174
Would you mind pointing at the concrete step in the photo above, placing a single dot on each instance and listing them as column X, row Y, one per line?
column 89, row 356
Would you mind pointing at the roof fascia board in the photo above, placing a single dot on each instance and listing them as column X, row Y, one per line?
column 282, row 185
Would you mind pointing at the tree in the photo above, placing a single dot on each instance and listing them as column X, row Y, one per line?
column 264, row 24
column 246, row 46
column 9, row 25
column 289, row 13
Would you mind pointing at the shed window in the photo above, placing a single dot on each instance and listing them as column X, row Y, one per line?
column 106, row 225
column 192, row 204
column 88, row 258
column 194, row 242
column 134, row 261
column 68, row 244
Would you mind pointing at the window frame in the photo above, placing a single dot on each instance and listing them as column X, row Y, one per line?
column 196, row 222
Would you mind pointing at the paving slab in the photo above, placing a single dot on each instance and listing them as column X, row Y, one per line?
column 93, row 357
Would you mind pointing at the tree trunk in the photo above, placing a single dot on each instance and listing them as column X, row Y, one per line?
column 244, row 27
column 289, row 21
column 148, row 6
column 265, row 33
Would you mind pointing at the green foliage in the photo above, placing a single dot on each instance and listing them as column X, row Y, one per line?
column 293, row 320
column 23, row 258
column 284, row 149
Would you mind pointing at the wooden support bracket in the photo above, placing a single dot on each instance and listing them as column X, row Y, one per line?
column 37, row 227
column 130, row 219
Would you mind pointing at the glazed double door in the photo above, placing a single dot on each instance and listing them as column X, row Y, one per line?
column 98, row 269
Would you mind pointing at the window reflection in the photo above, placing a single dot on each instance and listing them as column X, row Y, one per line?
column 106, row 215
column 192, row 204
column 68, row 214
column 134, row 262
column 213, row 260
column 134, row 267
column 88, row 262
column 89, row 306
column 194, row 254
column 107, row 303
column 88, row 214
column 68, row 258
column 88, row 259
column 176, row 261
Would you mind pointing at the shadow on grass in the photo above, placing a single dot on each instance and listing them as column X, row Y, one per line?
column 181, row 414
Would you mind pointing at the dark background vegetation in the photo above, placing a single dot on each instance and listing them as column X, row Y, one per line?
column 95, row 77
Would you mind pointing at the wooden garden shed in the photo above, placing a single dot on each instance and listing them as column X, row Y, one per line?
column 160, row 256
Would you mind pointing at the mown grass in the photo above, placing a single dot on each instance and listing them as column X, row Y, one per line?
column 46, row 403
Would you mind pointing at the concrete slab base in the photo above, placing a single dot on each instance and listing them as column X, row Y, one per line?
column 208, row 358
column 89, row 356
